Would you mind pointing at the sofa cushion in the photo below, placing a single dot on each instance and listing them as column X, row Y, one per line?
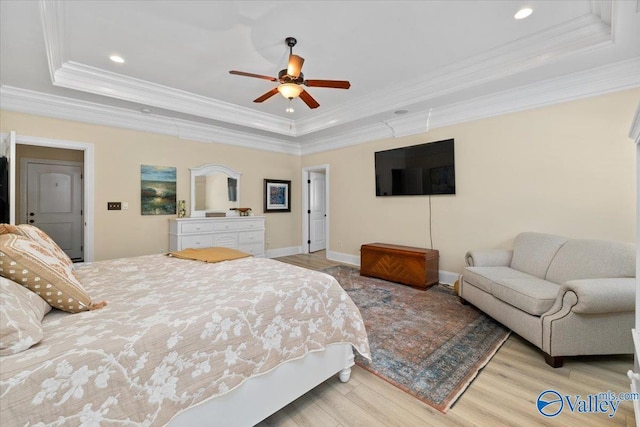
column 483, row 277
column 533, row 252
column 592, row 259
column 532, row 295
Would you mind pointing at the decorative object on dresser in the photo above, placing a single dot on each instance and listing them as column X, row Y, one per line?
column 403, row 264
column 243, row 233
column 277, row 195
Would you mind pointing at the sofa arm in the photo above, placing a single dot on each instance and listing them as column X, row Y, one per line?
column 489, row 258
column 608, row 295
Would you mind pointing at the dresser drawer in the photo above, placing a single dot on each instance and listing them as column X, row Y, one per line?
column 196, row 227
column 228, row 240
column 255, row 249
column 238, row 225
column 251, row 237
column 205, row 241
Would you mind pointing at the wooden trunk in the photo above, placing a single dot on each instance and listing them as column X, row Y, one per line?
column 403, row 264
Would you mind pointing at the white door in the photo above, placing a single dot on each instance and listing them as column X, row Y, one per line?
column 317, row 212
column 54, row 203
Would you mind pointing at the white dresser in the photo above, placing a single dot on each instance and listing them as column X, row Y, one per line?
column 243, row 233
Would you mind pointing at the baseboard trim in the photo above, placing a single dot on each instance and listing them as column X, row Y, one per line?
column 344, row 258
column 275, row 253
column 447, row 277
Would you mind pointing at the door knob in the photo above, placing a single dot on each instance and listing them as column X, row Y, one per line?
column 31, row 221
column 31, row 214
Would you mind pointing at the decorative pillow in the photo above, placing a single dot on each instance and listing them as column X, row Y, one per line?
column 21, row 313
column 39, row 236
column 32, row 265
column 8, row 229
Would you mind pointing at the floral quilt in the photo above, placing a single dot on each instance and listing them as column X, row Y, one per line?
column 174, row 333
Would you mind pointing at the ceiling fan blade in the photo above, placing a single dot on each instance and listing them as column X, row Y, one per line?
column 295, row 65
column 258, row 76
column 266, row 95
column 336, row 84
column 308, row 99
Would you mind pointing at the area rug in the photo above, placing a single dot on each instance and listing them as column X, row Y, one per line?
column 424, row 342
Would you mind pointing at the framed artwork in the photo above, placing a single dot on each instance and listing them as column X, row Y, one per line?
column 277, row 195
column 158, row 190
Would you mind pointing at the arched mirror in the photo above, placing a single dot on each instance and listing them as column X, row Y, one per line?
column 214, row 188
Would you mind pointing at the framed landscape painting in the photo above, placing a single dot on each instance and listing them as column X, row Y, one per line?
column 158, row 190
column 277, row 195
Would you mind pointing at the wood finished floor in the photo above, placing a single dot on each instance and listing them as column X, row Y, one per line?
column 503, row 394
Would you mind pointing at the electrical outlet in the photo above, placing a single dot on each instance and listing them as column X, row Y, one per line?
column 114, row 206
column 125, row 206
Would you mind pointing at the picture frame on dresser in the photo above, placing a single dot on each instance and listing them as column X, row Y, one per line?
column 277, row 195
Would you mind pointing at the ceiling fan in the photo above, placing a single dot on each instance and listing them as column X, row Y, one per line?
column 291, row 79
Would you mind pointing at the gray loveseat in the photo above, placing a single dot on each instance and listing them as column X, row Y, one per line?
column 569, row 297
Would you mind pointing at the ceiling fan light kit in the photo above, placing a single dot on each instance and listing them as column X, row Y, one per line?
column 291, row 79
column 290, row 90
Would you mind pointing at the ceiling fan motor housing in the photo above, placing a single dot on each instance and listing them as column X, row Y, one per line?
column 283, row 77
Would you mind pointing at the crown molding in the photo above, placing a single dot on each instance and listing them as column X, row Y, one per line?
column 30, row 102
column 597, row 81
column 73, row 75
column 521, row 55
column 586, row 32
column 52, row 21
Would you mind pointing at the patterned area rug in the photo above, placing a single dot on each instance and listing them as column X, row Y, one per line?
column 424, row 342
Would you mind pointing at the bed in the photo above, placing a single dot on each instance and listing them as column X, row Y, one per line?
column 183, row 343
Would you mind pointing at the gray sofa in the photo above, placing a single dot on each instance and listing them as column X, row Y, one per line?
column 569, row 297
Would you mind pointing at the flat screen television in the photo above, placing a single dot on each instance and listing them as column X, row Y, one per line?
column 416, row 170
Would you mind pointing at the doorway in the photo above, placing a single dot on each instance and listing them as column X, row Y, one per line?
column 51, row 198
column 315, row 209
column 13, row 143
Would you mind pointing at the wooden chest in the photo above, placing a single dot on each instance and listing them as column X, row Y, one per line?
column 403, row 264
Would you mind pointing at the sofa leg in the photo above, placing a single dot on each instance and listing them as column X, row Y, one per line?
column 553, row 361
column 463, row 301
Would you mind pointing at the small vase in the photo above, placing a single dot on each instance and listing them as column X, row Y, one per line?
column 182, row 212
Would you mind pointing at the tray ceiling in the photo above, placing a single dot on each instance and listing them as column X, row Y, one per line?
column 441, row 61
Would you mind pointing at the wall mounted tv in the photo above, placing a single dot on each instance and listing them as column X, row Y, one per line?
column 416, row 170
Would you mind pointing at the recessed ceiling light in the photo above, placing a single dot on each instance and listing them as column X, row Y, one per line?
column 116, row 58
column 145, row 110
column 523, row 13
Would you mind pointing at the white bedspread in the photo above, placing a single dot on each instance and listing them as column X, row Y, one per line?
column 174, row 333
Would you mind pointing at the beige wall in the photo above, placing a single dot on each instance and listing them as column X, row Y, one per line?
column 118, row 156
column 566, row 169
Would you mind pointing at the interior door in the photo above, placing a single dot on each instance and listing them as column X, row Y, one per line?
column 317, row 212
column 54, row 203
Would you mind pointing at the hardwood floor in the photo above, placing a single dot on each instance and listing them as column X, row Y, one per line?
column 503, row 394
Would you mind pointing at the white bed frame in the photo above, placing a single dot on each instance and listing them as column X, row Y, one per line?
column 264, row 395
